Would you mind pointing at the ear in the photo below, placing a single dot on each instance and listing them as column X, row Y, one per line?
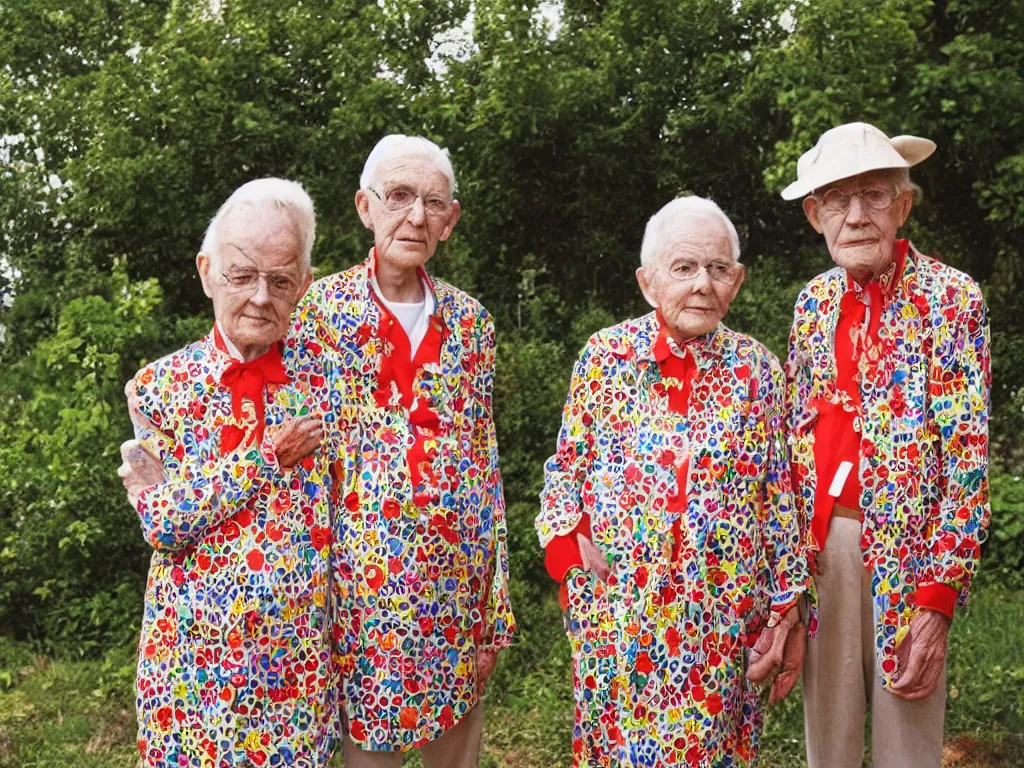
column 646, row 286
column 203, row 264
column 363, row 209
column 306, row 283
column 812, row 210
column 904, row 203
column 453, row 219
column 740, row 277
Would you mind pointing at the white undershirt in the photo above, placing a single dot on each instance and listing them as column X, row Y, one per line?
column 415, row 318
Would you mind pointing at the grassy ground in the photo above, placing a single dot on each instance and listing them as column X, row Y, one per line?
column 79, row 714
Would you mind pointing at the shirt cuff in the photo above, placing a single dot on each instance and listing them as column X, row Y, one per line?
column 937, row 597
column 562, row 554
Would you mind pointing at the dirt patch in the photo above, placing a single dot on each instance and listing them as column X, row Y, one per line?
column 971, row 752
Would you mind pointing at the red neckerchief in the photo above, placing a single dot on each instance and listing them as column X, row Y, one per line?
column 246, row 381
column 398, row 366
column 672, row 366
column 836, row 437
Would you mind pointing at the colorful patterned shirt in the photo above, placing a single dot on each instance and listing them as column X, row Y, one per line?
column 234, row 660
column 922, row 417
column 697, row 572
column 423, row 571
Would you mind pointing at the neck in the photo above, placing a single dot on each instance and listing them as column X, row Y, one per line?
column 399, row 284
column 250, row 353
column 863, row 276
column 247, row 352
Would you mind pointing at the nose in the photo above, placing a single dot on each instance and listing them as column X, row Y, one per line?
column 418, row 212
column 262, row 296
column 858, row 212
column 702, row 282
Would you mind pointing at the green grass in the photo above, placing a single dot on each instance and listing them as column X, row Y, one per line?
column 79, row 714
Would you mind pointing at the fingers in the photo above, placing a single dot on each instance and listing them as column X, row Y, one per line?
column 783, row 685
column 128, row 448
column 759, row 669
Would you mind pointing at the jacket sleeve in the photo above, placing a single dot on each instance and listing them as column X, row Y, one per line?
column 958, row 411
column 561, row 500
column 799, row 420
column 197, row 496
column 789, row 574
column 499, row 623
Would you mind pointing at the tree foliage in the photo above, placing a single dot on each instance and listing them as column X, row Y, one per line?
column 124, row 124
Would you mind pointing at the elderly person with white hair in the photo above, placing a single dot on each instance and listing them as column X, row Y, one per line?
column 423, row 571
column 234, row 660
column 889, row 394
column 667, row 516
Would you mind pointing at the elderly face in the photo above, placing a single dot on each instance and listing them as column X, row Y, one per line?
column 256, row 277
column 859, row 217
column 695, row 277
column 410, row 210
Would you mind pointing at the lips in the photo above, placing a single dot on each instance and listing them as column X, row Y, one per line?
column 858, row 243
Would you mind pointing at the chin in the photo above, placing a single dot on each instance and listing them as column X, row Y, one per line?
column 857, row 261
column 408, row 256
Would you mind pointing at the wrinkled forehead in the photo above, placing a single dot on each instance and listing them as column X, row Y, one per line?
column 416, row 171
column 697, row 236
column 263, row 236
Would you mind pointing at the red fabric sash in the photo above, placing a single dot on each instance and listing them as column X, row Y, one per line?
column 682, row 369
column 247, row 381
column 399, row 367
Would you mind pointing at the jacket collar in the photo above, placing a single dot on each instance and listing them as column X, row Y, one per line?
column 653, row 344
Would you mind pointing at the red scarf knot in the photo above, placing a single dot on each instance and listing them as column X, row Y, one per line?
column 247, row 381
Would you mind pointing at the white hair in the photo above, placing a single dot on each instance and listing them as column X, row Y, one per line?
column 399, row 145
column 278, row 193
column 657, row 226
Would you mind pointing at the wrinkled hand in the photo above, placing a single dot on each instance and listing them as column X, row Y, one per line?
column 593, row 558
column 780, row 646
column 486, row 660
column 139, row 470
column 921, row 656
column 792, row 663
column 296, row 439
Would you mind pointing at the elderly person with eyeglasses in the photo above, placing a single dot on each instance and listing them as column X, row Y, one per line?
column 889, row 395
column 235, row 664
column 424, row 571
column 667, row 516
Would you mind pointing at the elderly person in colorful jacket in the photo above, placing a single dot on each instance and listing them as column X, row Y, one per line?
column 424, row 574
column 234, row 664
column 888, row 393
column 667, row 515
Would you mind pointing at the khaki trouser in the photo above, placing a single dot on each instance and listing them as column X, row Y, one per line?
column 458, row 747
column 840, row 680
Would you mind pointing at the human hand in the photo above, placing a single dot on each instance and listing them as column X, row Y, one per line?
column 296, row 439
column 486, row 661
column 594, row 559
column 921, row 656
column 769, row 652
column 139, row 470
column 792, row 662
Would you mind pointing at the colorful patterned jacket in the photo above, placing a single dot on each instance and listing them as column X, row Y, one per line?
column 659, row 651
column 424, row 571
column 924, row 433
column 234, row 660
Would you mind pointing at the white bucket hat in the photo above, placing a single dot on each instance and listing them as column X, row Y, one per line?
column 853, row 148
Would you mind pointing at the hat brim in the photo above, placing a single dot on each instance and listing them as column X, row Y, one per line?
column 913, row 149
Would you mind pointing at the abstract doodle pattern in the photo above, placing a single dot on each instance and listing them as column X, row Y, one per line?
column 923, row 421
column 422, row 567
column 234, row 666
column 659, row 650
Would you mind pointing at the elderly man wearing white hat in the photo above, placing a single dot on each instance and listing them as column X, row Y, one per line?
column 888, row 393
